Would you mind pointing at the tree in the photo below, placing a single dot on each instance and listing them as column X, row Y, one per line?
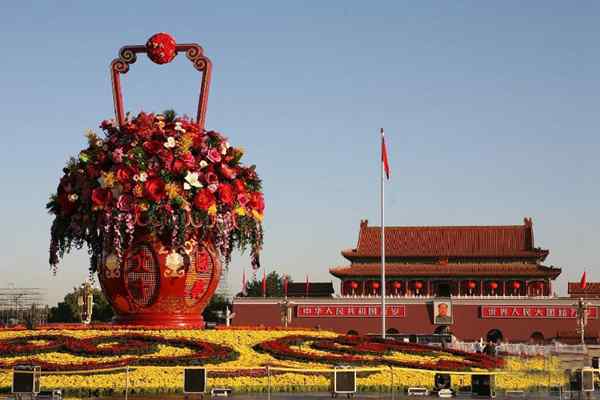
column 69, row 310
column 212, row 312
column 274, row 285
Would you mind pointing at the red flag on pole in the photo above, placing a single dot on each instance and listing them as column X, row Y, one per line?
column 384, row 156
column 244, row 284
column 264, row 284
column 583, row 283
column 306, row 286
column 285, row 285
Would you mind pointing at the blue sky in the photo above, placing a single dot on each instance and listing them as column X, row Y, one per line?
column 490, row 111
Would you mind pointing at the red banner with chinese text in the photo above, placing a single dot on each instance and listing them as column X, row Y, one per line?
column 349, row 310
column 561, row 312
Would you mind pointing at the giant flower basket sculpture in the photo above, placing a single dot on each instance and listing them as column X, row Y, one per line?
column 160, row 203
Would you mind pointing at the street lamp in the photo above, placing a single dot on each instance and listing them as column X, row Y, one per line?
column 582, row 318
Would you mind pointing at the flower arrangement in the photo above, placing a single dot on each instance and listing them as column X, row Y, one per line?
column 373, row 351
column 159, row 174
column 232, row 361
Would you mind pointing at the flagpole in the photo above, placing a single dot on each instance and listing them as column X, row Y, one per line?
column 383, row 310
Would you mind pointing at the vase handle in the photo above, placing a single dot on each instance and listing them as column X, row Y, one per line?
column 128, row 55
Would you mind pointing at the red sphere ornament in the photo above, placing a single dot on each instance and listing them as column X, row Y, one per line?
column 161, row 48
column 516, row 285
column 418, row 285
column 494, row 285
column 354, row 284
column 397, row 285
column 471, row 285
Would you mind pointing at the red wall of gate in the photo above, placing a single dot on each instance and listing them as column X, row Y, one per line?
column 467, row 324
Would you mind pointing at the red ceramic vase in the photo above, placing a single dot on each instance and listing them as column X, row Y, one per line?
column 159, row 286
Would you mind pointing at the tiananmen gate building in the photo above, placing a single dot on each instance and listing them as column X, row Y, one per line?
column 474, row 281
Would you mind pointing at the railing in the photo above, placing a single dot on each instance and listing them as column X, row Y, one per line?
column 525, row 349
column 427, row 296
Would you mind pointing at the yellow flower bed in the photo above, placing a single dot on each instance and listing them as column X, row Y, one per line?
column 520, row 373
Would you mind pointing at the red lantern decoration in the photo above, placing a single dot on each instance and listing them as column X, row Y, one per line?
column 354, row 285
column 375, row 285
column 494, row 285
column 161, row 48
column 418, row 285
column 516, row 285
column 471, row 285
column 397, row 285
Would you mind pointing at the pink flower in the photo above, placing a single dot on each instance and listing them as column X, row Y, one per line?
column 124, row 203
column 214, row 155
column 117, row 155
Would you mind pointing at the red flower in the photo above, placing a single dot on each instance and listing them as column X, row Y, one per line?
column 101, row 197
column 211, row 178
column 258, row 202
column 167, row 158
column 228, row 172
column 204, row 199
column 123, row 174
column 239, row 185
column 179, row 166
column 226, row 193
column 92, row 171
column 155, row 189
column 153, row 146
column 243, row 199
column 189, row 160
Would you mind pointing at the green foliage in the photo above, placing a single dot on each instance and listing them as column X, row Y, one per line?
column 169, row 115
column 69, row 311
column 217, row 304
column 274, row 285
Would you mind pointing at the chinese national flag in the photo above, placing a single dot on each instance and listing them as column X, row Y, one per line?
column 264, row 284
column 384, row 156
column 583, row 283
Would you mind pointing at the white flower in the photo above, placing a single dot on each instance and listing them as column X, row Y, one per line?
column 178, row 127
column 213, row 187
column 143, row 176
column 170, row 143
column 191, row 180
column 73, row 197
column 136, row 178
column 203, row 164
column 174, row 260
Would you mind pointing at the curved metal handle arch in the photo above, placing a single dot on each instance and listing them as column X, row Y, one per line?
column 128, row 55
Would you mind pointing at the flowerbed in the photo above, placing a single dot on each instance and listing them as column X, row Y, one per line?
column 366, row 351
column 123, row 350
column 157, row 359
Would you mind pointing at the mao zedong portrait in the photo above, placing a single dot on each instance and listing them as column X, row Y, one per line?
column 443, row 314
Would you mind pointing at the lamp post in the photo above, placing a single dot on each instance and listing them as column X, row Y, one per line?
column 285, row 307
column 582, row 318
